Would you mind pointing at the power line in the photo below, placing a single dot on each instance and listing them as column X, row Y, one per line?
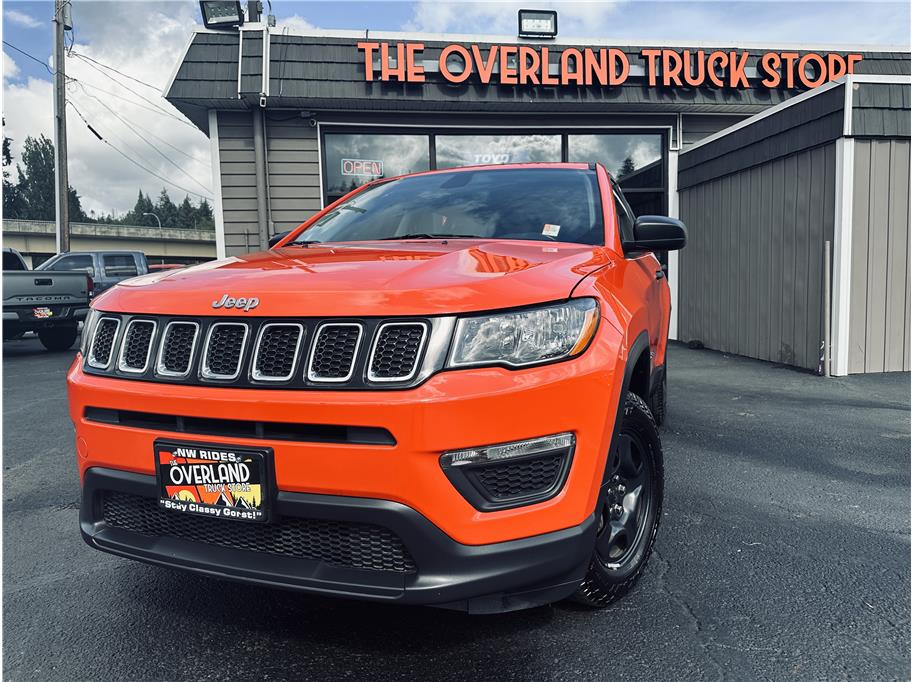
column 136, row 132
column 128, row 88
column 32, row 57
column 154, row 110
column 111, row 68
column 133, row 161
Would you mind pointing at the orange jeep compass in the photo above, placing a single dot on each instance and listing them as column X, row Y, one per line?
column 442, row 389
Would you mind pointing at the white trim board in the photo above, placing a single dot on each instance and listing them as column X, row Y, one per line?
column 842, row 256
column 216, row 184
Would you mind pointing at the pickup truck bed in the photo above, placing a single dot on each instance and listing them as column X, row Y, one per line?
column 49, row 303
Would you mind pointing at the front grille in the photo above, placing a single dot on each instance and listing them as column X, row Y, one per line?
column 334, row 352
column 353, row 545
column 281, row 353
column 136, row 346
column 224, row 349
column 519, row 478
column 277, row 348
column 177, row 348
column 396, row 351
column 103, row 343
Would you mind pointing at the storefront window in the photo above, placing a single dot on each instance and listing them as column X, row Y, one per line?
column 353, row 159
column 635, row 160
column 472, row 150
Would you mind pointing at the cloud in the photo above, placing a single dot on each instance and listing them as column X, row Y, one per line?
column 148, row 50
column 294, row 23
column 575, row 18
column 10, row 68
column 22, row 19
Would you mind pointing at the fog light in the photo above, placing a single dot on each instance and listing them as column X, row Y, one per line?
column 494, row 453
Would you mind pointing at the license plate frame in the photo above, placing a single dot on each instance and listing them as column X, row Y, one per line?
column 215, row 480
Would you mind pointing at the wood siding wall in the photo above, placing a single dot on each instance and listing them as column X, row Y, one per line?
column 752, row 274
column 294, row 181
column 879, row 304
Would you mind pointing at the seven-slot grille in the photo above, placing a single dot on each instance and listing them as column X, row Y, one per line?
column 285, row 353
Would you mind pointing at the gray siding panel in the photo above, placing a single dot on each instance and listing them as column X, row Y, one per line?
column 752, row 273
column 879, row 304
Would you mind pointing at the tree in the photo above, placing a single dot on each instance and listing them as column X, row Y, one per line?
column 12, row 200
column 36, row 183
column 135, row 216
column 165, row 210
column 205, row 219
column 186, row 214
column 627, row 168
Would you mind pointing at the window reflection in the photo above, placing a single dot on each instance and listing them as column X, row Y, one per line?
column 636, row 158
column 472, row 150
column 353, row 159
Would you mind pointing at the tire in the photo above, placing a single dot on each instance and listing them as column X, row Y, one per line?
column 58, row 338
column 659, row 400
column 617, row 561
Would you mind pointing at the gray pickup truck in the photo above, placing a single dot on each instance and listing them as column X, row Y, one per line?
column 107, row 268
column 49, row 303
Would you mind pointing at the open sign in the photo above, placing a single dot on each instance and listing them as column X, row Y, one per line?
column 362, row 167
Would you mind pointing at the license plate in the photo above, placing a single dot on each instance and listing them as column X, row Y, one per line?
column 214, row 480
column 42, row 313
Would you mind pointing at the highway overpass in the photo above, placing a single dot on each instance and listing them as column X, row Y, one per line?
column 35, row 240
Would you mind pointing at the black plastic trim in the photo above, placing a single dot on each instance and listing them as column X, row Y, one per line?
column 240, row 428
column 477, row 578
column 475, row 493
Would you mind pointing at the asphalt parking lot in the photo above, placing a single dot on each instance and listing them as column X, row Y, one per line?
column 784, row 553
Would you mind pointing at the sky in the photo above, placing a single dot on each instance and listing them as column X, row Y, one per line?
column 144, row 40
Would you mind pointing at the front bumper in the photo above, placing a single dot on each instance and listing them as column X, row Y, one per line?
column 479, row 579
column 450, row 411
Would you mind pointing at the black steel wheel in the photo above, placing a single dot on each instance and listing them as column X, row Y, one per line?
column 629, row 508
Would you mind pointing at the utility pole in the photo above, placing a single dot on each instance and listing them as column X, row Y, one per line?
column 62, row 22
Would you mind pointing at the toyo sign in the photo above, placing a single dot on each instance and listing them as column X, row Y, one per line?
column 532, row 65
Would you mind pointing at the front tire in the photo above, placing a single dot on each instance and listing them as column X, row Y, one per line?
column 57, row 338
column 629, row 508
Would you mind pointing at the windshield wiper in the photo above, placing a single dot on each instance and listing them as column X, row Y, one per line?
column 425, row 235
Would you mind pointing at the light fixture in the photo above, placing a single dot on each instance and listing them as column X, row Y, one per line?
column 537, row 23
column 222, row 13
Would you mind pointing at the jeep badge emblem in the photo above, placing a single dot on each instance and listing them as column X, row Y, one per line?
column 245, row 304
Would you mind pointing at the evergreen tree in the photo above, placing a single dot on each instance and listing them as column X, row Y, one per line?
column 186, row 214
column 627, row 168
column 165, row 210
column 12, row 200
column 36, row 183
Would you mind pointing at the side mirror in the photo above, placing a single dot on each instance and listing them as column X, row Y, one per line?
column 657, row 233
column 275, row 239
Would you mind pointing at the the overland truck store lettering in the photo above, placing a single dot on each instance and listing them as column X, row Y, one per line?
column 529, row 65
column 220, row 483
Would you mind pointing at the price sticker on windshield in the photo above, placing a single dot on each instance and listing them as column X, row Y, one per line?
column 550, row 230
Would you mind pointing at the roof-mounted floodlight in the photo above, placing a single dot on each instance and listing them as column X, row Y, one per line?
column 537, row 23
column 222, row 13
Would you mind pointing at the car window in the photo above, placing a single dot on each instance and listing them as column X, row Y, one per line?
column 624, row 214
column 76, row 262
column 544, row 204
column 12, row 262
column 119, row 265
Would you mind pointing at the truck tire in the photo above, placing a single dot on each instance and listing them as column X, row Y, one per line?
column 629, row 509
column 58, row 338
column 658, row 401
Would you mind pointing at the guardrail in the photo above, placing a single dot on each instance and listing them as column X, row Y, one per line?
column 40, row 227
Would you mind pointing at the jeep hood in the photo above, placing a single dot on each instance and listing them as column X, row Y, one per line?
column 367, row 279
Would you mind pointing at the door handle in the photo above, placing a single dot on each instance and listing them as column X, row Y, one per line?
column 660, row 273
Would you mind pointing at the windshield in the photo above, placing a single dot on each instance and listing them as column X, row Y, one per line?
column 546, row 204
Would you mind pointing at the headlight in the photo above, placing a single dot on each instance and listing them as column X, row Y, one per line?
column 525, row 337
column 88, row 328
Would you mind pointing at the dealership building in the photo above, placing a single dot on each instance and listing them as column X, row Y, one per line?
column 772, row 155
